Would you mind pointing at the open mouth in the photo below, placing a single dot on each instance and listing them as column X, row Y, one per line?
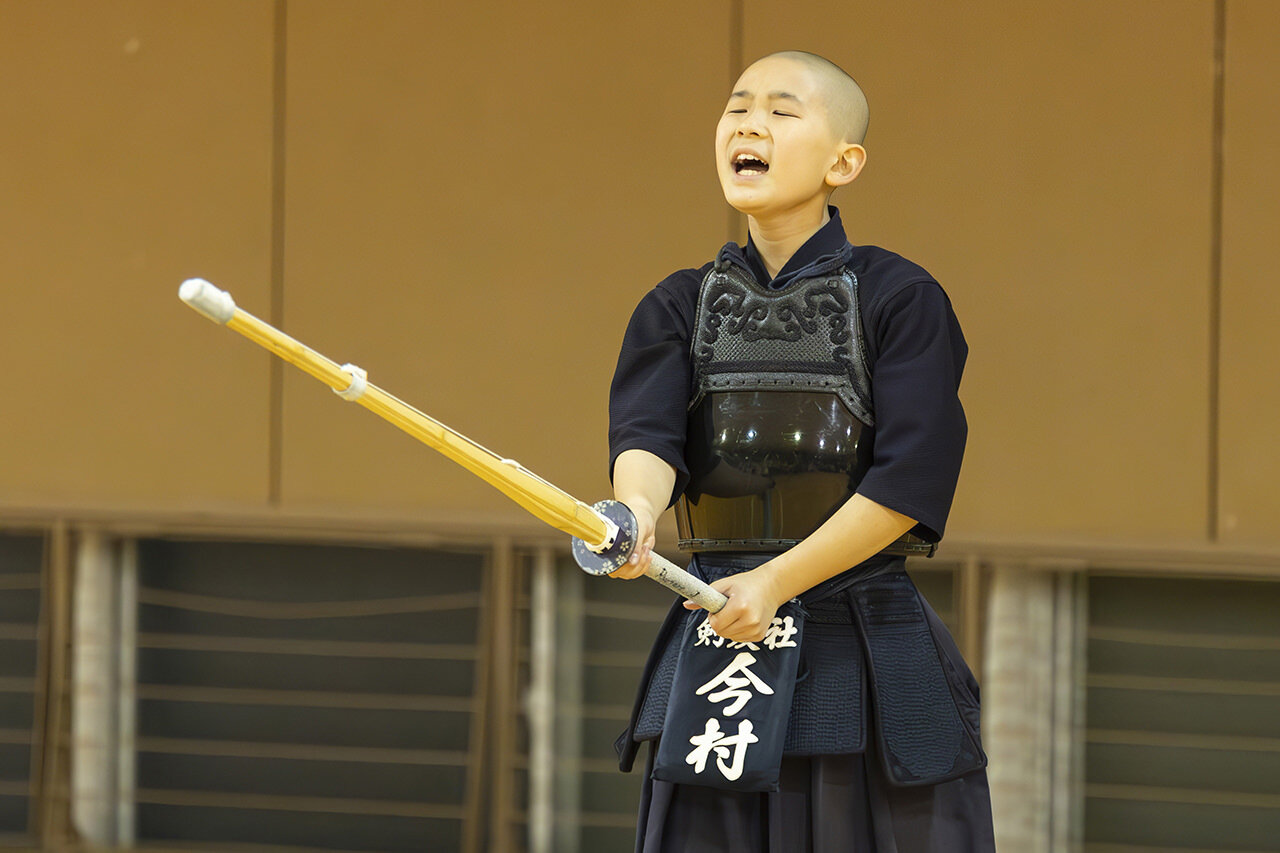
column 749, row 164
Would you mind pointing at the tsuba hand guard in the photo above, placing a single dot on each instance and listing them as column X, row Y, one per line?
column 617, row 554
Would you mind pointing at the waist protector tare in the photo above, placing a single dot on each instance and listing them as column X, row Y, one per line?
column 826, row 714
column 866, row 648
column 923, row 737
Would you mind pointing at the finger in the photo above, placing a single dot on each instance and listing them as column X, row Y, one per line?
column 721, row 625
column 735, row 625
column 641, row 555
column 741, row 635
column 625, row 572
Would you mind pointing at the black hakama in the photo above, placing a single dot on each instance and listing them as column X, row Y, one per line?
column 825, row 803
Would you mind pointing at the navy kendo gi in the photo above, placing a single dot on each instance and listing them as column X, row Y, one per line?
column 776, row 400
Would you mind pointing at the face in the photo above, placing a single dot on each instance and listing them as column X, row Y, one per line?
column 774, row 146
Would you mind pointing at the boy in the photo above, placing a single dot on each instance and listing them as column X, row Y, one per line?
column 799, row 398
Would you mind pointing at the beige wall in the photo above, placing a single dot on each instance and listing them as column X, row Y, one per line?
column 475, row 195
column 473, row 209
column 1250, row 401
column 135, row 151
column 1053, row 170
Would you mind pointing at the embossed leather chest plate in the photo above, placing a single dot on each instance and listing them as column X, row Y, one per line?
column 779, row 431
column 806, row 337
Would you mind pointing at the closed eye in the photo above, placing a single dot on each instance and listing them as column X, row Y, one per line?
column 788, row 115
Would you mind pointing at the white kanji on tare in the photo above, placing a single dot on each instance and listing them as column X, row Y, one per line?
column 714, row 739
column 777, row 636
column 708, row 637
column 736, row 678
column 735, row 685
column 780, row 632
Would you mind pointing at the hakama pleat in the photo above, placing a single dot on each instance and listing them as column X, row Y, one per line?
column 824, row 804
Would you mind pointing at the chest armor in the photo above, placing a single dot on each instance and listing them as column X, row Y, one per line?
column 780, row 419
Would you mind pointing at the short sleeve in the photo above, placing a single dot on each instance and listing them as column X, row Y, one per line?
column 918, row 353
column 649, row 396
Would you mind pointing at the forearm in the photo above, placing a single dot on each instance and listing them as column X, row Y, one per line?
column 643, row 481
column 860, row 529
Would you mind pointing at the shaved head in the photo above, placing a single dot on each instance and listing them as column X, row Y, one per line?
column 846, row 105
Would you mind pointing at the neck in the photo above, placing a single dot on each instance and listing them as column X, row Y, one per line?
column 778, row 238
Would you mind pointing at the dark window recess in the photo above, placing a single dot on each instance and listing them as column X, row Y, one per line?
column 21, row 559
column 619, row 622
column 1183, row 739
column 305, row 696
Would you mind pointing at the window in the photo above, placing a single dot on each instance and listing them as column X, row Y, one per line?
column 21, row 559
column 1183, row 741
column 305, row 695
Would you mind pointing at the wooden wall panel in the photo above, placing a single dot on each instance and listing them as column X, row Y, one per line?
column 135, row 151
column 1250, row 391
column 476, row 199
column 475, row 202
column 1050, row 163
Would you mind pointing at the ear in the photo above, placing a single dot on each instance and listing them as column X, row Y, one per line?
column 850, row 159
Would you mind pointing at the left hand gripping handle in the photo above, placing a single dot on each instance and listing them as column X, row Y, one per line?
column 662, row 570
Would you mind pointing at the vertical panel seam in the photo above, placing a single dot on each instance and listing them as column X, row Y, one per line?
column 1215, row 266
column 275, row 418
column 1055, row 614
column 737, row 27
